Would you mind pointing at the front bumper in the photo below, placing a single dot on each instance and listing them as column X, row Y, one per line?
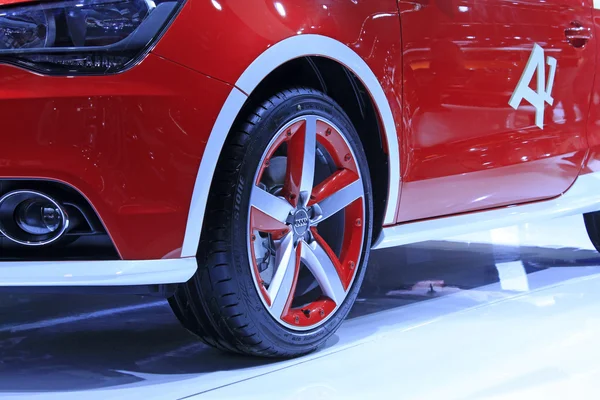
column 130, row 143
column 96, row 273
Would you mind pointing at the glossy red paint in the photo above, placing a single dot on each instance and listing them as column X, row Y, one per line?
column 131, row 143
column 593, row 127
column 248, row 28
column 467, row 148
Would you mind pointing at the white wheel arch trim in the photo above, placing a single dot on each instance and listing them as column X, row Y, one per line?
column 278, row 54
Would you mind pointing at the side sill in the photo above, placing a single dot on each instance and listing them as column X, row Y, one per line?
column 581, row 198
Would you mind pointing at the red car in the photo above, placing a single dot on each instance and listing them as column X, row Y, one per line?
column 244, row 156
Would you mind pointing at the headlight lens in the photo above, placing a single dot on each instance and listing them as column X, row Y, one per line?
column 82, row 36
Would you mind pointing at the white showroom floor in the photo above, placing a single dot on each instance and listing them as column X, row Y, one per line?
column 509, row 314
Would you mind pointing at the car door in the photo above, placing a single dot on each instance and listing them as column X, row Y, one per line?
column 593, row 128
column 496, row 95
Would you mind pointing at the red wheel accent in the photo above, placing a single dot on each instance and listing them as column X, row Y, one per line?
column 311, row 314
column 287, row 314
column 260, row 284
column 288, row 220
column 279, row 140
column 261, row 222
column 353, row 240
column 333, row 141
column 295, row 158
column 344, row 274
column 339, row 180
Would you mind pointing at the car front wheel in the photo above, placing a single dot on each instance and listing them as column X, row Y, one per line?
column 287, row 230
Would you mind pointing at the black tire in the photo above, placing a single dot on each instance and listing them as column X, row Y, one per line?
column 592, row 225
column 220, row 303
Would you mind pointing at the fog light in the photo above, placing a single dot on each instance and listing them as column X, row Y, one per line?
column 31, row 218
column 38, row 217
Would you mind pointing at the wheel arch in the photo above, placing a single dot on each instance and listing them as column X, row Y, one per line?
column 320, row 55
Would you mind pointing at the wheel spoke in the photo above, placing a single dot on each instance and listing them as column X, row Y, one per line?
column 283, row 283
column 265, row 223
column 338, row 180
column 273, row 206
column 340, row 200
column 301, row 162
column 325, row 271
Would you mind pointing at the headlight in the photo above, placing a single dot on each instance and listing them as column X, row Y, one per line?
column 82, row 36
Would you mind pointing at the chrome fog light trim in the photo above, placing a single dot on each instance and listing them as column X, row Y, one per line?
column 21, row 223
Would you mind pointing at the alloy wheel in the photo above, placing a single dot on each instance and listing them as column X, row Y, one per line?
column 302, row 271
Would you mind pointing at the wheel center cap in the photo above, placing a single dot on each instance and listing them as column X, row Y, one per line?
column 300, row 222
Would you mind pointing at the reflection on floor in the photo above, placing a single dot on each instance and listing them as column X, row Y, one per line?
column 511, row 313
